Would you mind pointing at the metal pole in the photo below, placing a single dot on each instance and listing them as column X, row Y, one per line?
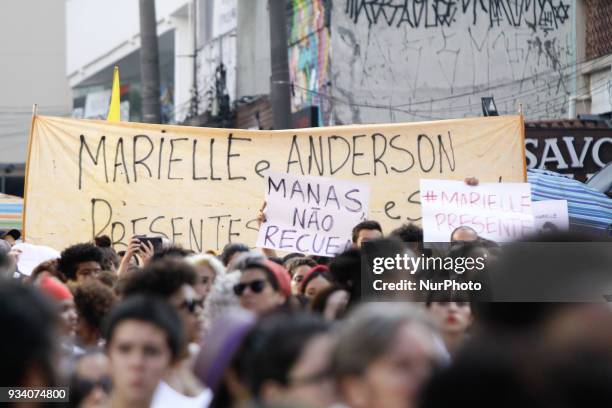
column 280, row 90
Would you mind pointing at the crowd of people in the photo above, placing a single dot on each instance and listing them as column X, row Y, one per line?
column 249, row 328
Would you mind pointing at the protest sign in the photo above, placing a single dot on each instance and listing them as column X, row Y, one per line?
column 550, row 215
column 202, row 187
column 497, row 211
column 311, row 215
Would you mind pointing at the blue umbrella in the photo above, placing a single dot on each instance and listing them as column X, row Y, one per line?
column 588, row 209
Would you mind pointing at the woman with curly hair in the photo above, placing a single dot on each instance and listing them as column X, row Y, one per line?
column 93, row 301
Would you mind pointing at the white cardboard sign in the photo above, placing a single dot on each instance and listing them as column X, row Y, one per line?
column 311, row 215
column 497, row 211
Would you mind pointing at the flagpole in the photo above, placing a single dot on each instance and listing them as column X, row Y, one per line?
column 27, row 172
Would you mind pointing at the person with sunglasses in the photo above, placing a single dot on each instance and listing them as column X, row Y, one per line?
column 90, row 383
column 263, row 286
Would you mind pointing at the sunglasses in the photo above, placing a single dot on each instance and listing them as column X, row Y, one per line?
column 192, row 304
column 84, row 386
column 256, row 286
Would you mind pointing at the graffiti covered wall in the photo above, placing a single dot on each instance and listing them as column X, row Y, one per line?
column 404, row 60
column 309, row 42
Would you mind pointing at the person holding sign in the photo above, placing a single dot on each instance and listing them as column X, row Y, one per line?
column 311, row 215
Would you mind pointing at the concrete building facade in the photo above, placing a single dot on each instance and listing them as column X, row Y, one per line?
column 32, row 71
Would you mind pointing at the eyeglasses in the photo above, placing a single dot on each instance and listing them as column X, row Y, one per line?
column 256, row 286
column 191, row 304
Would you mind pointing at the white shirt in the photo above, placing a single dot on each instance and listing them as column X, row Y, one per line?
column 165, row 396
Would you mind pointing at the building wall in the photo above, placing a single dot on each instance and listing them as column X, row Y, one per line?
column 599, row 29
column 32, row 70
column 405, row 60
column 253, row 48
column 308, row 35
column 598, row 68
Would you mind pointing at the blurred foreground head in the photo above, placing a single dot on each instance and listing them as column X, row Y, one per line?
column 289, row 362
column 545, row 280
column 522, row 371
column 384, row 353
column 28, row 337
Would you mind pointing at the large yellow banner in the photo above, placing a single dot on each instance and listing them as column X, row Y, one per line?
column 202, row 187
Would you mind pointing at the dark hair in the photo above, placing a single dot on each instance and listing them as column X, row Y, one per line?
column 173, row 251
column 556, row 265
column 410, row 233
column 107, row 278
column 230, row 249
column 257, row 262
column 290, row 256
column 319, row 303
column 463, row 249
column 162, row 277
column 72, row 256
column 321, row 260
column 103, row 241
column 346, row 270
column 14, row 233
column 277, row 343
column 110, row 259
column 365, row 225
column 148, row 309
column 296, row 262
column 314, row 275
column 48, row 266
column 487, row 243
column 499, row 370
column 6, row 264
column 28, row 322
column 93, row 301
column 447, row 296
column 276, row 260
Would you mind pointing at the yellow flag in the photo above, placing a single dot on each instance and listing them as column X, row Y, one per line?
column 114, row 110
